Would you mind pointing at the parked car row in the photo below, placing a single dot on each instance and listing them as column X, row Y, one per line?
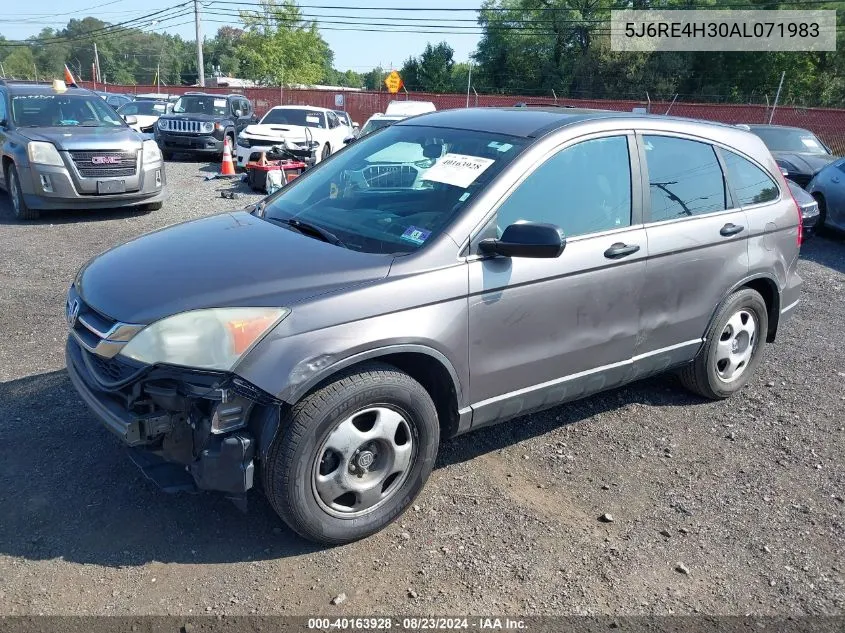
column 817, row 173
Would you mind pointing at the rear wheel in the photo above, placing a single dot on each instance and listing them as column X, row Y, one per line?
column 733, row 347
column 19, row 207
column 327, row 151
column 352, row 455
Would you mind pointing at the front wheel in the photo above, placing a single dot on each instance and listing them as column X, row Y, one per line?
column 733, row 347
column 327, row 151
column 352, row 455
column 19, row 206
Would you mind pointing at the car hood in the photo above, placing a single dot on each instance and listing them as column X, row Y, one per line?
column 145, row 120
column 233, row 259
column 85, row 138
column 280, row 131
column 806, row 163
column 193, row 116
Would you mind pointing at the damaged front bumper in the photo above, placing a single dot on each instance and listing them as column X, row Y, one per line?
column 186, row 429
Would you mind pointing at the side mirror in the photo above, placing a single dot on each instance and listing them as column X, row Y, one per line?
column 355, row 125
column 238, row 113
column 130, row 119
column 348, row 140
column 527, row 239
column 784, row 172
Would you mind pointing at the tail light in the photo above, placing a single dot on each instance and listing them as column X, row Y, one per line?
column 800, row 239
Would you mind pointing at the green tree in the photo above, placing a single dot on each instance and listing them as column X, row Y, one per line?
column 279, row 47
column 435, row 68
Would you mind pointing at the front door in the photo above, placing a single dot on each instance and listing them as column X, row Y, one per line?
column 543, row 331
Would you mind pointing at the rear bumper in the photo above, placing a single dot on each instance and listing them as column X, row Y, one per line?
column 51, row 187
column 790, row 297
column 174, row 448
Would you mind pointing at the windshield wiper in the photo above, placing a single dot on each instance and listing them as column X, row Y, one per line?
column 311, row 229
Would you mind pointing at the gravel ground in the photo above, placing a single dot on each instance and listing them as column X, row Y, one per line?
column 718, row 508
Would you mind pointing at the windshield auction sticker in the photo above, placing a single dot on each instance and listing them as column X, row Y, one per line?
column 731, row 30
column 458, row 169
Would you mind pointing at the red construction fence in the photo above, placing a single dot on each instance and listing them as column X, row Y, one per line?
column 827, row 123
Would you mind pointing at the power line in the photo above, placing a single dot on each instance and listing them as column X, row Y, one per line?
column 94, row 32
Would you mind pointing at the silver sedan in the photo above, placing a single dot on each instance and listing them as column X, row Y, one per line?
column 828, row 188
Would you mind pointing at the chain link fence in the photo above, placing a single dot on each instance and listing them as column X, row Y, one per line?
column 827, row 123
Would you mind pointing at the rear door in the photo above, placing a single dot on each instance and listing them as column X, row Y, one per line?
column 697, row 241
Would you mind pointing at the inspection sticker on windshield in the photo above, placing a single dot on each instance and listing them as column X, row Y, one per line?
column 458, row 169
column 810, row 142
column 415, row 235
column 219, row 103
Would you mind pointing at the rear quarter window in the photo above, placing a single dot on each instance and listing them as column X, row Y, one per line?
column 751, row 185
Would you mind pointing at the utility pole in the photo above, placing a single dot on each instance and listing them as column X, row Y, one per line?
column 97, row 61
column 200, row 61
column 469, row 82
column 777, row 96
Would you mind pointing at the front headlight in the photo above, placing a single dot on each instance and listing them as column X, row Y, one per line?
column 215, row 338
column 162, row 124
column 43, row 154
column 207, row 127
column 152, row 154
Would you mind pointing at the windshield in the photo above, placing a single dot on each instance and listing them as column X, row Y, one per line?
column 144, row 108
column 395, row 190
column 790, row 140
column 63, row 111
column 344, row 118
column 293, row 116
column 202, row 104
column 376, row 124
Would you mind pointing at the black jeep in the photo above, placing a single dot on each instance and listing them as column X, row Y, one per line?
column 200, row 122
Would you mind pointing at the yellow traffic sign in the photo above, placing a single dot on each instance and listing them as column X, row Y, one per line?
column 393, row 82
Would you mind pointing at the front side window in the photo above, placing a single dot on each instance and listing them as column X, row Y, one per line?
column 585, row 188
column 202, row 104
column 751, row 185
column 684, row 178
column 295, row 116
column 393, row 192
column 63, row 111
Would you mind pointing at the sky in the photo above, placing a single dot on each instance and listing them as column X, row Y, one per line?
column 355, row 50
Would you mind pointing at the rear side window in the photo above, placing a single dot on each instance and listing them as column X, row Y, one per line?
column 751, row 185
column 685, row 178
column 585, row 188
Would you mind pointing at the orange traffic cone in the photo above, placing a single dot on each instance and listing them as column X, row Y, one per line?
column 228, row 167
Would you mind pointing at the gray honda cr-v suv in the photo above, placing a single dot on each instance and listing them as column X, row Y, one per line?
column 448, row 272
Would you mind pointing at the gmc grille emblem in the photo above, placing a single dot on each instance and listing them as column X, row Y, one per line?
column 105, row 160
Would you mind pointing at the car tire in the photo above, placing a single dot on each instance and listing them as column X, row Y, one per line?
column 19, row 207
column 166, row 155
column 733, row 347
column 327, row 151
column 152, row 206
column 331, row 497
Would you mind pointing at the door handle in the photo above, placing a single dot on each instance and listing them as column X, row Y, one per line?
column 619, row 250
column 731, row 229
